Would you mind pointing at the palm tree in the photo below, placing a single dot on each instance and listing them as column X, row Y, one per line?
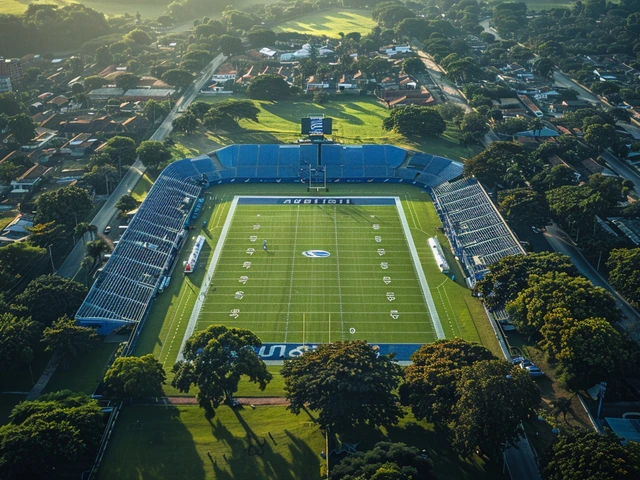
column 87, row 263
column 96, row 248
column 92, row 229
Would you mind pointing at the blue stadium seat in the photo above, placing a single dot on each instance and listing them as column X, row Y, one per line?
column 228, row 173
column 437, row 165
column 375, row 171
column 334, row 171
column 394, row 155
column 406, row 173
column 374, row 154
column 420, row 160
column 309, row 154
column 204, row 165
column 352, row 156
column 331, row 155
column 228, row 155
column 246, row 172
column 288, row 171
column 289, row 155
column 451, row 171
column 268, row 155
column 247, row 155
column 350, row 171
column 267, row 172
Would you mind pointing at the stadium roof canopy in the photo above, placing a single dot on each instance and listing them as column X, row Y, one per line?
column 149, row 247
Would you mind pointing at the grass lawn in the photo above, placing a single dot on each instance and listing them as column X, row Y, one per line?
column 175, row 442
column 357, row 120
column 461, row 314
column 538, row 5
column 85, row 371
column 330, row 23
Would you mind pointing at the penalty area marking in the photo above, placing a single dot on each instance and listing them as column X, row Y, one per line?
column 421, row 277
column 193, row 320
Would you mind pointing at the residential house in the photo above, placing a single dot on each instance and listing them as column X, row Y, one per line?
column 59, row 102
column 314, row 84
column 89, row 124
column 225, row 72
column 569, row 106
column 392, row 50
column 402, row 98
column 532, row 107
column 105, row 93
column 509, row 106
column 17, row 230
column 541, row 133
column 546, row 93
column 26, row 182
column 81, row 145
column 12, row 68
column 131, row 107
column 144, row 94
column 39, row 142
column 136, row 124
column 594, row 167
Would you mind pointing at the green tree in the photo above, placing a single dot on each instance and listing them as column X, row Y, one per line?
column 269, row 87
column 624, row 273
column 127, row 81
column 179, row 78
column 474, row 123
column 66, row 206
column 49, row 297
column 45, row 234
column 102, row 178
column 403, row 462
column 239, row 110
column 511, row 126
column 215, row 360
column 121, row 150
column 430, row 381
column 139, row 36
column 510, row 275
column 155, row 111
column 199, row 108
column 14, row 257
column 415, row 120
column 491, row 165
column 522, row 207
column 554, row 177
column 126, row 203
column 450, row 111
column 152, row 153
column 576, row 204
column 494, row 398
column 587, row 454
column 67, row 339
column 413, row 65
column 49, row 433
column 103, row 56
column 550, row 291
column 261, row 37
column 186, row 123
column 600, row 137
column 231, row 45
column 22, row 127
column 543, row 66
column 134, row 377
column 18, row 338
column 347, row 383
column 10, row 105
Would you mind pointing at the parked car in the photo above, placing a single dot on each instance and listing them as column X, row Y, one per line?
column 107, row 230
column 507, row 326
column 535, row 229
column 517, row 360
column 530, row 367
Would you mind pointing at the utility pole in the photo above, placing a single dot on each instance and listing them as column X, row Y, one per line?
column 53, row 267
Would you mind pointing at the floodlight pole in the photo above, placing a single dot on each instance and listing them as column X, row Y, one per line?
column 326, row 448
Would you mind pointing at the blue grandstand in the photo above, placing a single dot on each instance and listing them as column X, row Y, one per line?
column 145, row 254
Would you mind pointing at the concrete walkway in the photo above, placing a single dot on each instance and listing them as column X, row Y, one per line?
column 44, row 378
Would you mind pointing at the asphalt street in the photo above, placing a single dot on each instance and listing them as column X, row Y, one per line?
column 104, row 216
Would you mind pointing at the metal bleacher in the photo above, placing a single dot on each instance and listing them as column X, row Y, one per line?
column 477, row 232
column 125, row 288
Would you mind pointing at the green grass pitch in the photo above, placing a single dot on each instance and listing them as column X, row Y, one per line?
column 367, row 288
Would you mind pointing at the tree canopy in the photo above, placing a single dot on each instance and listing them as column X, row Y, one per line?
column 430, row 381
column 587, row 454
column 121, row 150
column 215, row 360
column 177, row 77
column 134, row 377
column 386, row 460
column 18, row 339
column 50, row 297
column 522, row 207
column 66, row 206
column 269, row 87
column 47, row 433
column 348, row 383
column 496, row 161
column 152, row 153
column 67, row 339
column 624, row 273
column 126, row 203
column 415, row 120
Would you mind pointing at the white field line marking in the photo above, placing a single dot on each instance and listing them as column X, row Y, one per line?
column 435, row 318
column 335, row 228
column 193, row 320
column 406, row 199
column 183, row 302
column 293, row 266
column 415, row 211
column 455, row 318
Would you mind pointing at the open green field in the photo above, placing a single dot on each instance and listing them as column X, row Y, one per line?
column 460, row 313
column 330, row 23
column 356, row 120
column 18, row 7
column 168, row 443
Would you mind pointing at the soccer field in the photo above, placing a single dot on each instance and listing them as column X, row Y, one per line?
column 329, row 272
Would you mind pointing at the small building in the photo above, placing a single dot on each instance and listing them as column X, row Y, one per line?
column 5, row 84
column 594, row 167
column 533, row 108
column 26, row 182
column 59, row 102
column 12, row 68
column 144, row 94
column 39, row 142
column 392, row 50
column 403, row 98
column 17, row 230
column 105, row 93
column 225, row 72
column 509, row 106
column 541, row 133
column 136, row 124
column 80, row 145
column 569, row 106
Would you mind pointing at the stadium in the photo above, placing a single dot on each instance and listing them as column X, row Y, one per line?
column 292, row 254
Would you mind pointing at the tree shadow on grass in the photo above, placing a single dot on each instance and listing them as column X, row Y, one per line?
column 151, row 442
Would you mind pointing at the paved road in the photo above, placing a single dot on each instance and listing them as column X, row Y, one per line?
column 623, row 169
column 485, row 25
column 562, row 243
column 71, row 264
column 563, row 80
column 521, row 462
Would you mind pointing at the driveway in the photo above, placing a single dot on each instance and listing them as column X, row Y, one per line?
column 103, row 218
